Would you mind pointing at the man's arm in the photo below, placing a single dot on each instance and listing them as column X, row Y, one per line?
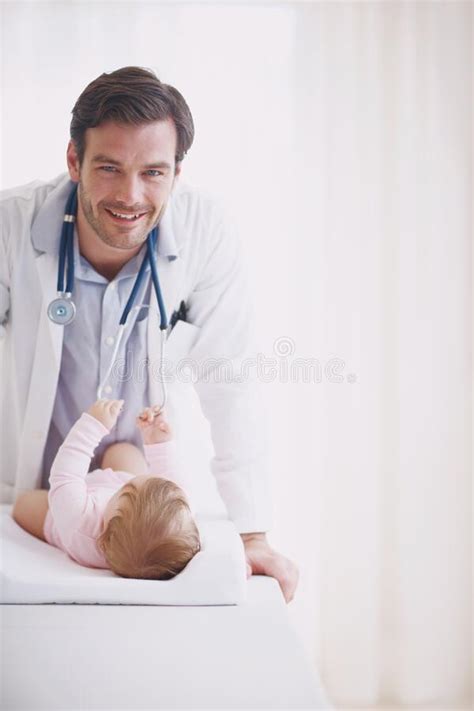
column 5, row 270
column 226, row 383
column 227, row 387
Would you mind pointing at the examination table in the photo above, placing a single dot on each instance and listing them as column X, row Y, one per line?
column 241, row 653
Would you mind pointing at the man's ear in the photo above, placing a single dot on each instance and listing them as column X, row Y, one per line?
column 73, row 164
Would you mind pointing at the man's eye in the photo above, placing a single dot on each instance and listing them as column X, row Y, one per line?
column 108, row 168
column 153, row 173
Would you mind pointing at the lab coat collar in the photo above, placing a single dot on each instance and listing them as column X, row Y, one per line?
column 47, row 225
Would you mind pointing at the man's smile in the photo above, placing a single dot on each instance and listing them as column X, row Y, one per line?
column 125, row 217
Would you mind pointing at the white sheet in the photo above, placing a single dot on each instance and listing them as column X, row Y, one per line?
column 248, row 656
column 32, row 572
column 178, row 644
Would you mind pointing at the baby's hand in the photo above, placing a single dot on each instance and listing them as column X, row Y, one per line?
column 153, row 426
column 106, row 411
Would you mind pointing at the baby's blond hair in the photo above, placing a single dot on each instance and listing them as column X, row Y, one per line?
column 153, row 534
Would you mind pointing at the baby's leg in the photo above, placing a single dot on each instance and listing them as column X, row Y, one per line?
column 125, row 457
column 30, row 511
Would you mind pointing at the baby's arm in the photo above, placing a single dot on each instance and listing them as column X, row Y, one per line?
column 160, row 449
column 68, row 497
column 164, row 461
column 161, row 458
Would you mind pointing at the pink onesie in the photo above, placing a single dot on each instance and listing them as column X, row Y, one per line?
column 77, row 499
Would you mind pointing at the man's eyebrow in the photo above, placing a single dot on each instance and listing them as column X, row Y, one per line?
column 101, row 158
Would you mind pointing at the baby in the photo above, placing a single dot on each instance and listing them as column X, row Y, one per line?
column 138, row 524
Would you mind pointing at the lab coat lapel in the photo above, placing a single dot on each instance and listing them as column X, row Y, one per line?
column 47, row 266
column 43, row 384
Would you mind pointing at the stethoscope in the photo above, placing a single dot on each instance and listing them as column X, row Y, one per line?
column 62, row 310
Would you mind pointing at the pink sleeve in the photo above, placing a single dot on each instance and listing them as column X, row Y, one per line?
column 163, row 461
column 68, row 491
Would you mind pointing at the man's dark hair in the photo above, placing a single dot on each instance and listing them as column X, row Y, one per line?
column 135, row 96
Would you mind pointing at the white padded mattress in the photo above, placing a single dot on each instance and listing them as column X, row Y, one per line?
column 32, row 572
column 179, row 644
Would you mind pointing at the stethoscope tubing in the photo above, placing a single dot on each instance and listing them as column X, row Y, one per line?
column 66, row 248
column 156, row 282
column 66, row 262
column 137, row 284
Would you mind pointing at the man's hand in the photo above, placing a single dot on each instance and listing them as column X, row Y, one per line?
column 263, row 560
column 106, row 411
column 153, row 426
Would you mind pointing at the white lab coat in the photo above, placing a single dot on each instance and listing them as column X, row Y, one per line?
column 209, row 276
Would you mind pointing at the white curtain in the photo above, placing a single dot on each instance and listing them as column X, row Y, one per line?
column 387, row 106
column 339, row 135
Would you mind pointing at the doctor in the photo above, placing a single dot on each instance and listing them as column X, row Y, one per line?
column 129, row 135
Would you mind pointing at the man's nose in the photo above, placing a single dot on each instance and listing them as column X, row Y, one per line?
column 128, row 191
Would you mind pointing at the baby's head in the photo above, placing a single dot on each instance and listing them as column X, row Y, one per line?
column 149, row 530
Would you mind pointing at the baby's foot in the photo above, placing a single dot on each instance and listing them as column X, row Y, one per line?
column 106, row 411
column 153, row 426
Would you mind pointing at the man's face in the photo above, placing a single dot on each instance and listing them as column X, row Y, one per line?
column 125, row 180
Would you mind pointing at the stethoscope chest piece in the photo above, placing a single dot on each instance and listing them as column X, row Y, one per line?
column 62, row 310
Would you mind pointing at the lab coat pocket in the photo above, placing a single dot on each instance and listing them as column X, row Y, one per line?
column 180, row 342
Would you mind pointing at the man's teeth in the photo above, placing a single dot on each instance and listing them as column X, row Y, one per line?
column 125, row 217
